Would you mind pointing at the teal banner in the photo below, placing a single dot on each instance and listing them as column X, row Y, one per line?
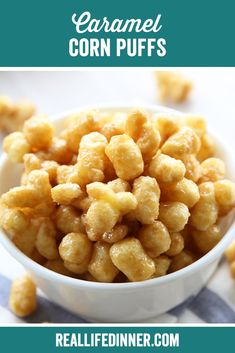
column 117, row 339
column 156, row 33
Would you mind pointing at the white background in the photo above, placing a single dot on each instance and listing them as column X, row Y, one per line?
column 213, row 96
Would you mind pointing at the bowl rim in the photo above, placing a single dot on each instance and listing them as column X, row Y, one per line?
column 212, row 255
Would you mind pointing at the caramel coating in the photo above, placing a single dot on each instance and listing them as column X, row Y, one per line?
column 13, row 115
column 172, row 86
column 117, row 233
column 57, row 266
column 207, row 148
column 155, row 239
column 185, row 191
column 39, row 181
column 91, row 158
column 82, row 203
column 129, row 257
column 58, row 151
column 183, row 259
column 146, row 136
column 230, row 252
column 177, row 244
column 207, row 239
column 31, row 162
column 118, row 185
column 134, row 123
column 105, row 210
column 101, row 217
column 166, row 169
column 13, row 220
column 77, row 269
column 21, row 196
column 148, row 142
column 167, row 125
column 147, row 194
column 79, row 126
column 232, row 269
column 75, row 248
column 174, row 215
column 162, row 264
column 16, row 146
column 204, row 214
column 230, row 256
column 183, row 142
column 65, row 194
column 197, row 123
column 38, row 131
column 64, row 173
column 20, row 228
column 123, row 152
column 68, row 220
column 101, row 266
column 23, row 297
column 46, row 240
column 111, row 129
column 225, row 195
column 26, row 241
column 51, row 168
column 193, row 167
column 212, row 169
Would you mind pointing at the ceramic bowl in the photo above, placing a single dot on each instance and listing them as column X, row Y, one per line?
column 121, row 302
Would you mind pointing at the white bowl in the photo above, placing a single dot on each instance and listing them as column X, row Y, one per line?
column 120, row 302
